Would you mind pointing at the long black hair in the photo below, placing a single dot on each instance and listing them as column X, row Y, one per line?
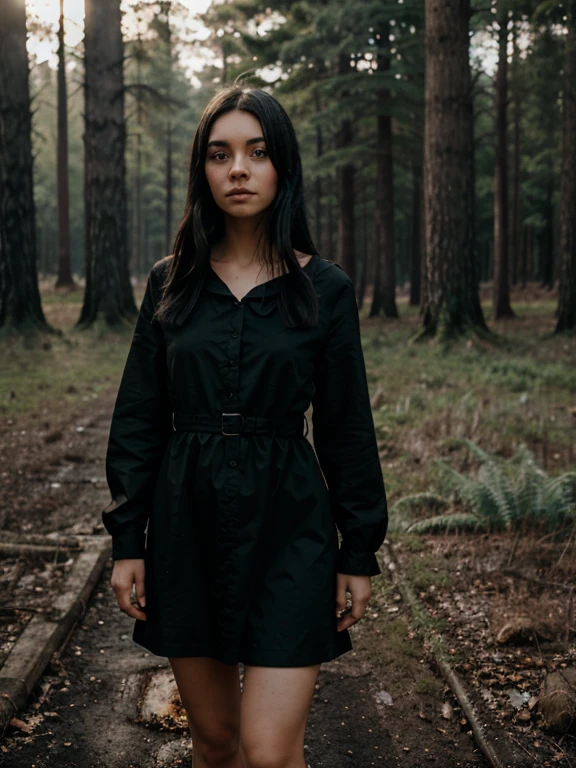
column 284, row 229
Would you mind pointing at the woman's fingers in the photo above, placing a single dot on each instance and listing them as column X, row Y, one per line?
column 355, row 613
column 360, row 589
column 140, row 595
column 340, row 595
column 126, row 576
column 124, row 602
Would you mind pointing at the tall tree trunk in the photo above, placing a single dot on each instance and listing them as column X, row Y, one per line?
column 530, row 253
column 329, row 225
column 361, row 292
column 166, row 8
column 423, row 260
column 108, row 290
column 376, row 268
column 318, row 182
column 451, row 302
column 64, row 271
column 567, row 294
column 346, row 189
column 416, row 239
column 168, row 233
column 515, row 232
column 476, row 269
column 137, row 253
column 522, row 265
column 501, row 291
column 546, row 240
column 20, row 304
column 386, row 298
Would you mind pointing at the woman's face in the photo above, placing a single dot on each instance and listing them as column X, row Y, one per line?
column 237, row 157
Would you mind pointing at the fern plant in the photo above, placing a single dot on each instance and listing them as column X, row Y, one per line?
column 504, row 494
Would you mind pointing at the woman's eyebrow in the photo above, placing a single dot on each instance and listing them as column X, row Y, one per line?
column 221, row 143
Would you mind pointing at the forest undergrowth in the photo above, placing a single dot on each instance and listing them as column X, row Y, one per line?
column 501, row 598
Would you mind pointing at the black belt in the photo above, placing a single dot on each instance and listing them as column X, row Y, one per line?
column 237, row 424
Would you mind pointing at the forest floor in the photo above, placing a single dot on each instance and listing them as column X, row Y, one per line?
column 381, row 704
column 503, row 601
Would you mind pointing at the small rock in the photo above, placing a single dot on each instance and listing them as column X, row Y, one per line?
column 383, row 697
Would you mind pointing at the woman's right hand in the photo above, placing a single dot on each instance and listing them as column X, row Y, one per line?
column 125, row 574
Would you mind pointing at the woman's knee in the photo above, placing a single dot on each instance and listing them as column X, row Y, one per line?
column 217, row 749
column 266, row 754
column 210, row 694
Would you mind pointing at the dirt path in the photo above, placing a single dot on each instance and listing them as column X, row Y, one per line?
column 87, row 717
column 378, row 705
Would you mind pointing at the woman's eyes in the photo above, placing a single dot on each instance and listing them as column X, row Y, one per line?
column 265, row 154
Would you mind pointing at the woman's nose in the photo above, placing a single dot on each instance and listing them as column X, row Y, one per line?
column 238, row 167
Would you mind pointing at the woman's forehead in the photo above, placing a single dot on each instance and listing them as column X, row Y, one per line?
column 236, row 126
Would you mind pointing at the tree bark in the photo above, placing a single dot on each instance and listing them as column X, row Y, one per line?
column 166, row 7
column 65, row 278
column 522, row 266
column 451, row 301
column 20, row 303
column 546, row 240
column 329, row 238
column 516, row 223
column 386, row 297
column 169, row 237
column 501, row 288
column 415, row 245
column 346, row 175
column 137, row 240
column 108, row 290
column 567, row 295
column 318, row 182
column 530, row 253
column 363, row 283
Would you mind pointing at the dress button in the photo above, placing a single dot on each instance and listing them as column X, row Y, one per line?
column 233, row 463
column 237, row 303
column 232, row 362
column 231, row 395
column 234, row 335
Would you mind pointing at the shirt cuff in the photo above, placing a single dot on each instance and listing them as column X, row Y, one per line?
column 357, row 563
column 129, row 546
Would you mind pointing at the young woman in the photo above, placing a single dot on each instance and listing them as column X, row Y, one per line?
column 239, row 331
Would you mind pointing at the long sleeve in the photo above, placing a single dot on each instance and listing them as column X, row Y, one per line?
column 139, row 433
column 345, row 440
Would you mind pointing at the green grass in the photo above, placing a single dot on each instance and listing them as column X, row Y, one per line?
column 519, row 390
column 425, row 571
column 48, row 374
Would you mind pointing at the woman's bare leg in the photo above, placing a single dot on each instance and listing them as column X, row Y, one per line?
column 274, row 710
column 210, row 694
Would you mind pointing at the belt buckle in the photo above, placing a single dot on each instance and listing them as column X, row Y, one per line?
column 231, row 414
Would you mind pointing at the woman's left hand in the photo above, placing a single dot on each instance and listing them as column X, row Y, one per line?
column 360, row 587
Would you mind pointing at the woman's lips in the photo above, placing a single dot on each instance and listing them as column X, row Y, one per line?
column 241, row 195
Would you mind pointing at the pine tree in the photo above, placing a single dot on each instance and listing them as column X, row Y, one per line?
column 20, row 306
column 567, row 297
column 451, row 297
column 108, row 293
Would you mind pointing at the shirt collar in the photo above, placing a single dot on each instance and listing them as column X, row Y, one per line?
column 214, row 283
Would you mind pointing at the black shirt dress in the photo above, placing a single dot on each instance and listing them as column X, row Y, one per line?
column 239, row 532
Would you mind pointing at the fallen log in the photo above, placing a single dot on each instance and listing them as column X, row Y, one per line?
column 557, row 701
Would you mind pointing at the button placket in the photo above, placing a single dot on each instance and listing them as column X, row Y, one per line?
column 233, row 379
column 228, row 508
